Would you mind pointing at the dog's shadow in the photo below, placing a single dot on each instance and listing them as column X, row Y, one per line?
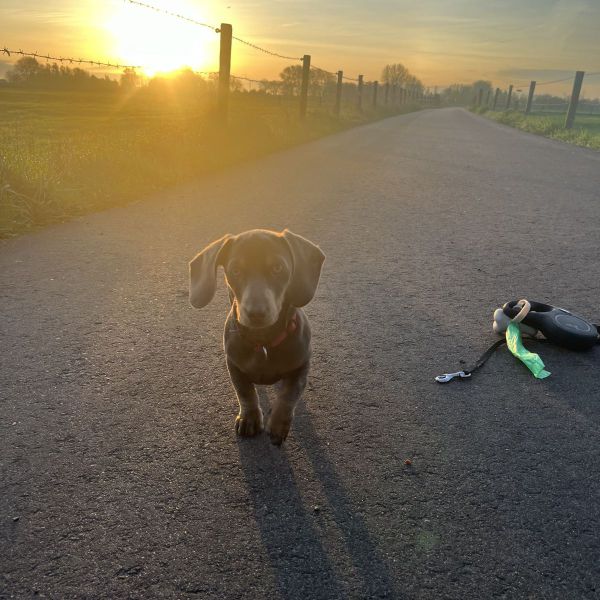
column 291, row 532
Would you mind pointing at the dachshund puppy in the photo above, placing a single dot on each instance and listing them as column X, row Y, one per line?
column 270, row 276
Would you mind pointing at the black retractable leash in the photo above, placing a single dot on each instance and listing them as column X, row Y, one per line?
column 559, row 326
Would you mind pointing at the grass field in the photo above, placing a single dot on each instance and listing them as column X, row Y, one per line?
column 65, row 154
column 586, row 131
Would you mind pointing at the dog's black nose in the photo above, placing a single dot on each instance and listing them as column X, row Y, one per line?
column 256, row 315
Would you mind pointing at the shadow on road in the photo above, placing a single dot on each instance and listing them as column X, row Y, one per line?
column 294, row 537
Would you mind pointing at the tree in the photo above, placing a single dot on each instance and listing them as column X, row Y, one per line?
column 318, row 80
column 26, row 69
column 398, row 74
column 464, row 94
column 395, row 74
column 271, row 87
column 129, row 78
column 291, row 79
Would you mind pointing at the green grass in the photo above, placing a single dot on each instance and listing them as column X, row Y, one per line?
column 66, row 154
column 586, row 131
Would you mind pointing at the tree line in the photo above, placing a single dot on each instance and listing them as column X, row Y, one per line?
column 460, row 94
column 28, row 72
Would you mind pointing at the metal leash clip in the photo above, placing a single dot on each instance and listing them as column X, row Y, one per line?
column 447, row 377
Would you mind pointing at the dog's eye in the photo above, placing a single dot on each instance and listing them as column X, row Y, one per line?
column 277, row 268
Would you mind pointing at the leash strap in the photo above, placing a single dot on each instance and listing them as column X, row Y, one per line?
column 466, row 374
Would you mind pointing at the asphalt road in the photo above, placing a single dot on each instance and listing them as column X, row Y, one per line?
column 121, row 476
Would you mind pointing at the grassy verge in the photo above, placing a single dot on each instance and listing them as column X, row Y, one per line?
column 67, row 154
column 586, row 131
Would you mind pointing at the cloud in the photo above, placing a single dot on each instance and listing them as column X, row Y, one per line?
column 536, row 74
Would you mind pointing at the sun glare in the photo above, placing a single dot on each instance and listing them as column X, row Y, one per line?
column 160, row 43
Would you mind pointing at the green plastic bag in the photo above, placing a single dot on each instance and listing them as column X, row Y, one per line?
column 530, row 359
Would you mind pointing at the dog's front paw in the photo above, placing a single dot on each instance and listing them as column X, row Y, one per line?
column 249, row 424
column 278, row 428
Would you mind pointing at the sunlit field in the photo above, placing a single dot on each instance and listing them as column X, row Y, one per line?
column 66, row 153
column 586, row 131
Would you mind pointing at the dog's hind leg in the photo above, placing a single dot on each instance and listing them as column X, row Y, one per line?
column 249, row 421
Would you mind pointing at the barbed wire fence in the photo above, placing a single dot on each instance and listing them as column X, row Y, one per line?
column 569, row 107
column 67, row 59
column 355, row 88
column 225, row 30
column 393, row 94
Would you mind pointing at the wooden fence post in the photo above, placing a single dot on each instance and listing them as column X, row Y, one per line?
column 394, row 94
column 479, row 96
column 338, row 93
column 497, row 93
column 304, row 86
column 360, row 90
column 375, row 88
column 226, row 32
column 386, row 94
column 572, row 111
column 530, row 97
column 510, row 89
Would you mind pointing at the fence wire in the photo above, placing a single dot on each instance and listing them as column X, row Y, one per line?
column 334, row 74
column 173, row 14
column 555, row 81
column 264, row 50
column 315, row 68
column 245, row 79
column 215, row 29
column 67, row 59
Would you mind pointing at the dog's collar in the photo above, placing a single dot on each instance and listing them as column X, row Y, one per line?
column 291, row 325
column 290, row 328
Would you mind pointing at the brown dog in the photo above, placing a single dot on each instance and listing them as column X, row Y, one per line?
column 267, row 336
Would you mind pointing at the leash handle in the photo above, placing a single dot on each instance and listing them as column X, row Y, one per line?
column 523, row 312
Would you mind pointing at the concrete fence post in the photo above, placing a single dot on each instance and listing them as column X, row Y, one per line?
column 496, row 98
column 226, row 33
column 304, row 86
column 530, row 97
column 508, row 98
column 572, row 111
column 360, row 91
column 338, row 93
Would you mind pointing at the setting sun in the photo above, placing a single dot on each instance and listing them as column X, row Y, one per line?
column 159, row 43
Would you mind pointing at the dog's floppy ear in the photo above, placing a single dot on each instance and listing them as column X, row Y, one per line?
column 308, row 260
column 203, row 272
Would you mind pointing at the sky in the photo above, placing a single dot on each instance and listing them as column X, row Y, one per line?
column 440, row 41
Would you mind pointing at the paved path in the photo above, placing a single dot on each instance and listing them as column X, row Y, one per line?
column 117, row 450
